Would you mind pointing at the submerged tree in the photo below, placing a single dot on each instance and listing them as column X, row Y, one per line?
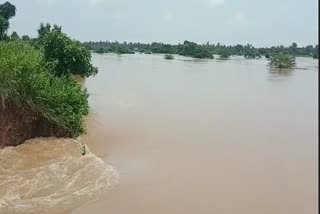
column 194, row 50
column 168, row 56
column 281, row 60
column 224, row 54
column 315, row 54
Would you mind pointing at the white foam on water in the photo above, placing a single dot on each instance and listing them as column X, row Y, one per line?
column 51, row 176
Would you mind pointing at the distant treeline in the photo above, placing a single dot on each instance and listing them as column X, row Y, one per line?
column 201, row 51
column 193, row 49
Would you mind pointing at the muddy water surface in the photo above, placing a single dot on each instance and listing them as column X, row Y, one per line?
column 205, row 136
column 187, row 136
column 51, row 176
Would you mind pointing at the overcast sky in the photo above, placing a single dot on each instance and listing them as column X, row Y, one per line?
column 258, row 22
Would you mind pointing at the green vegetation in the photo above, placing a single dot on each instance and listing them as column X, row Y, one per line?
column 112, row 48
column 281, row 60
column 39, row 95
column 27, row 86
column 186, row 49
column 315, row 54
column 224, row 54
column 194, row 50
column 100, row 51
column 204, row 51
column 168, row 56
column 67, row 55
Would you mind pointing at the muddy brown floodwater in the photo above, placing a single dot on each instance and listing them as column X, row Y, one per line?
column 186, row 136
column 205, row 136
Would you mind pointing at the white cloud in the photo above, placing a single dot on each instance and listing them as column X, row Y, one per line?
column 215, row 3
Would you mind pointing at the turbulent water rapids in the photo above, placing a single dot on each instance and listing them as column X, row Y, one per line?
column 51, row 176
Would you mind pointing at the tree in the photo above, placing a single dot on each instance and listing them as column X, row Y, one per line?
column 14, row 36
column 294, row 45
column 68, row 56
column 100, row 51
column 224, row 54
column 7, row 11
column 309, row 50
column 45, row 29
column 281, row 60
column 315, row 54
column 25, row 38
column 194, row 50
column 4, row 25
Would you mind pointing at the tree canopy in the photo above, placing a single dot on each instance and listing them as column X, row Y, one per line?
column 281, row 60
column 7, row 11
column 68, row 56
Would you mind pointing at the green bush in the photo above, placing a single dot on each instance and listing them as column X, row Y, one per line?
column 281, row 60
column 27, row 81
column 224, row 54
column 100, row 51
column 194, row 50
column 69, row 56
column 168, row 56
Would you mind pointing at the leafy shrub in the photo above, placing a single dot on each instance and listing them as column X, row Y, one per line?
column 27, row 81
column 224, row 54
column 168, row 56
